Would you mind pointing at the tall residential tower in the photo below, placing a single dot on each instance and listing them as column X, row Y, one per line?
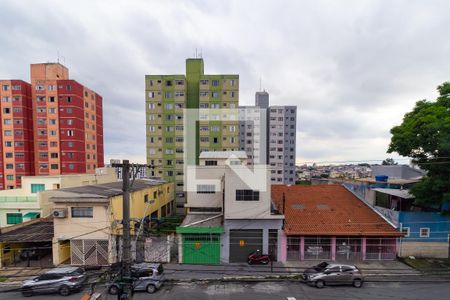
column 268, row 136
column 166, row 98
column 52, row 126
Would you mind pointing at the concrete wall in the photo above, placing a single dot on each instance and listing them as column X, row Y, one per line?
column 424, row 249
column 265, row 225
column 204, row 175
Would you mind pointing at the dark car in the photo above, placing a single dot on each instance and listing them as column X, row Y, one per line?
column 333, row 274
column 62, row 280
column 146, row 277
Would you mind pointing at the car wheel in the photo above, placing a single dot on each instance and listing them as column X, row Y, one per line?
column 320, row 284
column 27, row 292
column 151, row 289
column 357, row 283
column 64, row 291
column 113, row 290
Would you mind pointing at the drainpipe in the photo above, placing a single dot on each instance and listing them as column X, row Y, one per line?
column 284, row 204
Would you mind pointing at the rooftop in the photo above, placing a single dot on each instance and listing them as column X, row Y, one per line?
column 223, row 154
column 328, row 210
column 99, row 192
column 38, row 230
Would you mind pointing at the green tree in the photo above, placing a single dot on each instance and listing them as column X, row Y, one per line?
column 424, row 135
column 389, row 162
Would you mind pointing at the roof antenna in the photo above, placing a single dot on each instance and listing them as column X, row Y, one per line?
column 196, row 53
column 260, row 84
column 57, row 54
column 201, row 53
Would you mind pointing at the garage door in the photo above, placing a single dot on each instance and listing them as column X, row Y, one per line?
column 201, row 248
column 243, row 242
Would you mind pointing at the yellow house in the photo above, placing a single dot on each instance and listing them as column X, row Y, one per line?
column 87, row 219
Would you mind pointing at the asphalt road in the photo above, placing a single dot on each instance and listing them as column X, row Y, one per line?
column 280, row 290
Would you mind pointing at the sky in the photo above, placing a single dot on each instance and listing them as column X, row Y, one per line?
column 353, row 68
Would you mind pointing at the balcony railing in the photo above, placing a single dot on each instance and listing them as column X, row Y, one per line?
column 16, row 199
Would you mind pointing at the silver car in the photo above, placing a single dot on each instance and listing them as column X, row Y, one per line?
column 333, row 274
column 147, row 277
column 62, row 280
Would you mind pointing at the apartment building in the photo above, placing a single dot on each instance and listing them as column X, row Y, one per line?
column 268, row 136
column 211, row 98
column 52, row 126
column 16, row 126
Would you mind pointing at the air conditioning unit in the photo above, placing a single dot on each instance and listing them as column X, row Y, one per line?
column 60, row 213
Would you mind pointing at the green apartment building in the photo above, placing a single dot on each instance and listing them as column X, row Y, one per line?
column 166, row 97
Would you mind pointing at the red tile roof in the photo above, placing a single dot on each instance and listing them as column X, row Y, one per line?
column 328, row 210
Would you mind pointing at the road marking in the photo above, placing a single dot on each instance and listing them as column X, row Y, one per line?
column 291, row 298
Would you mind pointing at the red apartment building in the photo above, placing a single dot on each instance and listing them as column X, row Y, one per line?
column 55, row 128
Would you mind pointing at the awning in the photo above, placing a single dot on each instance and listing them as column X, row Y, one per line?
column 395, row 192
column 32, row 215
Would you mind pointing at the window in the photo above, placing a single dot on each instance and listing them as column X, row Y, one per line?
column 14, row 218
column 215, row 94
column 37, row 187
column 82, row 212
column 151, row 94
column 9, row 177
column 247, row 195
column 54, row 166
column 168, row 95
column 51, row 98
column 211, row 163
column 424, row 232
column 6, row 110
column 206, row 188
column 405, row 230
column 215, row 82
column 69, row 132
column 204, row 81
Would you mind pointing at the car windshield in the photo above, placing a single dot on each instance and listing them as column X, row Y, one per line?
column 160, row 269
column 321, row 266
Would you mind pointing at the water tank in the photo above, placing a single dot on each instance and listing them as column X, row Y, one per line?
column 382, row 178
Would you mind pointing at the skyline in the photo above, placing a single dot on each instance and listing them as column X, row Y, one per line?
column 353, row 71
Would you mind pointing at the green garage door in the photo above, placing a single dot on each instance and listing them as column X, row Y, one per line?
column 201, row 248
column 243, row 242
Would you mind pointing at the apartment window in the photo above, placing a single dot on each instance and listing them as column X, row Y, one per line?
column 169, row 106
column 168, row 95
column 215, row 82
column 68, row 87
column 14, row 218
column 7, row 121
column 424, row 232
column 151, row 94
column 204, row 139
column 168, row 82
column 9, row 177
column 206, row 188
column 5, row 99
column 8, row 154
column 247, row 195
column 8, row 144
column 215, row 128
column 82, row 212
column 215, row 94
column 215, row 140
column 20, row 166
column 204, row 81
column 17, row 109
column 211, row 162
column 6, row 110
column 37, row 187
column 51, row 98
column 179, row 82
column 54, row 166
column 71, row 166
column 179, row 139
column 69, row 132
column 179, row 94
column 8, row 132
column 18, row 154
column 405, row 230
column 70, row 144
column 5, row 87
column 204, row 94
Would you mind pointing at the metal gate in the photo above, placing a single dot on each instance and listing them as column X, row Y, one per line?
column 381, row 248
column 243, row 242
column 201, row 248
column 89, row 252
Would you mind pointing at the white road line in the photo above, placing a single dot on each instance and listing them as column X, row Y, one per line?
column 291, row 298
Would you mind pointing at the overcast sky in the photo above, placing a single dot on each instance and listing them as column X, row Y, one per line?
column 353, row 68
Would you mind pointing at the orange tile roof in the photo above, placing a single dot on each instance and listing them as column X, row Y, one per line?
column 328, row 210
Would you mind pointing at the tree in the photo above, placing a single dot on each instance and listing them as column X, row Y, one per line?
column 424, row 135
column 389, row 162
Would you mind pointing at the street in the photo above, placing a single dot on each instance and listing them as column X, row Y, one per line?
column 279, row 290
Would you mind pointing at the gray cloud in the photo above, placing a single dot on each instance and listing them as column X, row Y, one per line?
column 354, row 68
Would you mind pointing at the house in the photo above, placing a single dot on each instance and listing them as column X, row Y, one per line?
column 328, row 222
column 426, row 228
column 34, row 235
column 230, row 212
column 28, row 202
column 87, row 219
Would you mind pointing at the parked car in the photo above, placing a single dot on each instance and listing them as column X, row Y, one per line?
column 333, row 274
column 146, row 277
column 62, row 280
column 34, row 253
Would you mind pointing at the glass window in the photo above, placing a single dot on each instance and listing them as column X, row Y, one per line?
column 247, row 195
column 14, row 218
column 206, row 188
column 82, row 212
column 37, row 187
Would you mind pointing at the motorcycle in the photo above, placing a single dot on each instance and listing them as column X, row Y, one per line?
column 257, row 257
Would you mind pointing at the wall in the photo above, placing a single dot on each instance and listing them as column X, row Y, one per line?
column 424, row 249
column 439, row 226
column 204, row 175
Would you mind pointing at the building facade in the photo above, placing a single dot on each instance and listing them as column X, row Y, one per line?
column 31, row 200
column 167, row 97
column 229, row 216
column 268, row 136
column 52, row 126
column 16, row 147
column 87, row 220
